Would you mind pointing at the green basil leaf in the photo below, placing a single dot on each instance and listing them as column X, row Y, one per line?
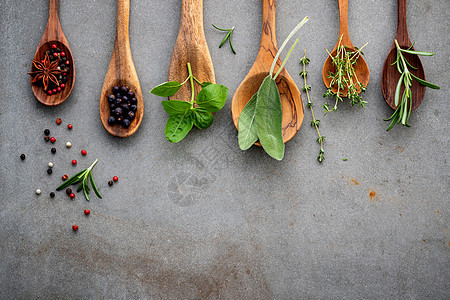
column 205, row 84
column 247, row 134
column 212, row 97
column 178, row 126
column 269, row 117
column 166, row 89
column 202, row 118
column 175, row 107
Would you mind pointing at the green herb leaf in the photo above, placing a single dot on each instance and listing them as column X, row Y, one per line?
column 166, row 89
column 269, row 117
column 423, row 53
column 212, row 97
column 176, row 107
column 94, row 186
column 178, row 126
column 425, row 83
column 74, row 179
column 247, row 134
column 205, row 84
column 202, row 118
column 397, row 90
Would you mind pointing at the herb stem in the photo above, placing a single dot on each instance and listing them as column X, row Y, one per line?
column 285, row 60
column 192, row 82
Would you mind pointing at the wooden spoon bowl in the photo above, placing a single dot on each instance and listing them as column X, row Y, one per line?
column 361, row 68
column 53, row 34
column 121, row 72
column 291, row 100
column 390, row 74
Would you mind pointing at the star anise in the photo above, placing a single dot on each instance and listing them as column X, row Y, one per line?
column 45, row 71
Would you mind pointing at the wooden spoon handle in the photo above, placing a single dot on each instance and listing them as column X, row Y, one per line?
column 268, row 36
column 123, row 22
column 53, row 31
column 402, row 31
column 343, row 23
column 192, row 17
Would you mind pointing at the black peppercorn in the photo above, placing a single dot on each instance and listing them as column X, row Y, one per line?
column 47, row 132
column 126, row 123
column 68, row 191
column 115, row 89
column 46, row 138
column 111, row 120
column 52, row 194
column 49, row 171
column 22, row 156
column 110, row 183
column 123, row 90
column 111, row 98
column 53, row 150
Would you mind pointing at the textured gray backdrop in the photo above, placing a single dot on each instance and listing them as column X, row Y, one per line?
column 202, row 219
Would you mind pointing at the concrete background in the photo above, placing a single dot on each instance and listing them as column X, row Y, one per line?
column 202, row 219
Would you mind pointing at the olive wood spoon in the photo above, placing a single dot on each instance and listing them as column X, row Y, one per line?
column 361, row 68
column 291, row 100
column 191, row 47
column 390, row 74
column 121, row 72
column 54, row 34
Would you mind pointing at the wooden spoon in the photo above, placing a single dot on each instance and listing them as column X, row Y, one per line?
column 54, row 34
column 121, row 72
column 390, row 74
column 191, row 47
column 291, row 100
column 361, row 68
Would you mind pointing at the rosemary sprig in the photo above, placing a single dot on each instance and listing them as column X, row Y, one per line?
column 227, row 37
column 315, row 122
column 345, row 77
column 403, row 111
column 83, row 177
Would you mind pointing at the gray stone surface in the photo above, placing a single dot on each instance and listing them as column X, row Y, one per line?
column 202, row 219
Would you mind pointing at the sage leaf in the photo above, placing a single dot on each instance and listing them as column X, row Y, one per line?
column 178, row 126
column 269, row 117
column 202, row 118
column 175, row 107
column 166, row 89
column 247, row 134
column 212, row 97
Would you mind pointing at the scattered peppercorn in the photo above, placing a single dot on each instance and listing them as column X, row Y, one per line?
column 52, row 139
column 52, row 194
column 72, row 195
column 49, row 171
column 65, row 177
column 115, row 178
column 68, row 144
column 47, row 131
column 83, row 152
column 50, row 165
column 87, row 212
column 53, row 150
column 58, row 121
column 74, row 162
column 46, row 138
column 68, row 191
column 38, row 192
column 22, row 156
column 110, row 183
column 75, row 227
column 69, row 126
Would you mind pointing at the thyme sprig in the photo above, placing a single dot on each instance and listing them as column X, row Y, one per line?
column 227, row 37
column 315, row 122
column 345, row 77
column 83, row 177
column 403, row 111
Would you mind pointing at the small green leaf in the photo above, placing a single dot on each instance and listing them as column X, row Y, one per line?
column 202, row 118
column 176, row 107
column 74, row 179
column 269, row 117
column 425, row 83
column 212, row 97
column 397, row 90
column 205, row 84
column 178, row 126
column 94, row 186
column 423, row 53
column 166, row 89
column 247, row 134
column 344, row 159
